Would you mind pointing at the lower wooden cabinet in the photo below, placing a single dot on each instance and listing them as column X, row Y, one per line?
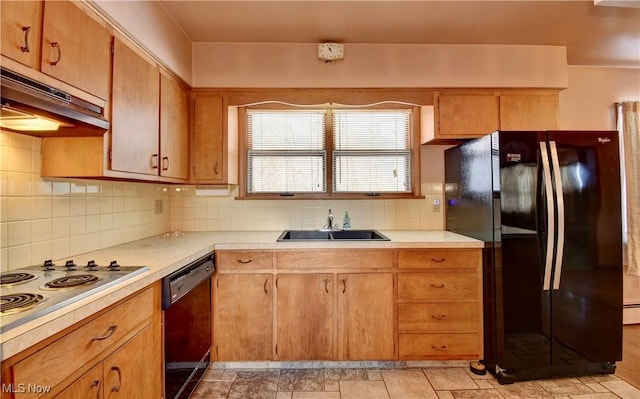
column 365, row 316
column 117, row 354
column 297, row 305
column 243, row 316
column 440, row 304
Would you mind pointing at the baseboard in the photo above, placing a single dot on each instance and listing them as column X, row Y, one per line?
column 631, row 314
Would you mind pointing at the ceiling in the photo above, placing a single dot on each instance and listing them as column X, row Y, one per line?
column 593, row 35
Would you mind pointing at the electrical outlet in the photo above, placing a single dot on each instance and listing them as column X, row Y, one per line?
column 436, row 205
column 159, row 206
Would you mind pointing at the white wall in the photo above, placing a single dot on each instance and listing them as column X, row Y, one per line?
column 379, row 65
column 588, row 102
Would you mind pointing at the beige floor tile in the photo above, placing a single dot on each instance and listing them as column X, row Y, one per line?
column 477, row 394
column 622, row 389
column 483, row 384
column 521, row 390
column 449, row 379
column 596, row 387
column 283, row 395
column 408, row 384
column 331, row 386
column 374, row 375
column 445, row 395
column 212, row 390
column 363, row 389
column 316, row 395
column 564, row 386
column 606, row 395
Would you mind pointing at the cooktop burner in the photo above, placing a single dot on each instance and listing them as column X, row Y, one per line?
column 73, row 281
column 34, row 291
column 14, row 303
column 7, row 279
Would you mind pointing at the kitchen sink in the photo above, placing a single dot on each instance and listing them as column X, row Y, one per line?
column 334, row 235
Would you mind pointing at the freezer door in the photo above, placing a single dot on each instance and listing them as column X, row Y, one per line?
column 586, row 300
column 527, row 226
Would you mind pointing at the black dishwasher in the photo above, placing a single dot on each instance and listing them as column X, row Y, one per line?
column 186, row 304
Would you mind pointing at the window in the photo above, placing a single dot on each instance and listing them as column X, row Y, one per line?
column 330, row 152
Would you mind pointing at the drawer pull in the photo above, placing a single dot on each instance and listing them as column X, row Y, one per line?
column 439, row 348
column 96, row 384
column 437, row 285
column 265, row 285
column 116, row 388
column 109, row 333
column 344, row 286
column 439, row 317
column 244, row 261
column 326, row 285
column 438, row 260
column 56, row 45
column 25, row 48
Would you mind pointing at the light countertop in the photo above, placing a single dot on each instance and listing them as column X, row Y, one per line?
column 168, row 252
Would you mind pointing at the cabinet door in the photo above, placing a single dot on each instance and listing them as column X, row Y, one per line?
column 174, row 128
column 135, row 109
column 466, row 115
column 21, row 30
column 208, row 139
column 366, row 321
column 134, row 370
column 528, row 111
column 89, row 386
column 244, row 312
column 305, row 317
column 75, row 48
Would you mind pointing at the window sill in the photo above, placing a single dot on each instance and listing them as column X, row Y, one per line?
column 329, row 197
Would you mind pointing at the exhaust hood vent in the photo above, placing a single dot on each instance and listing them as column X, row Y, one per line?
column 30, row 107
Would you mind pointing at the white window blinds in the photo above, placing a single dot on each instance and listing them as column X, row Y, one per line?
column 372, row 151
column 286, row 151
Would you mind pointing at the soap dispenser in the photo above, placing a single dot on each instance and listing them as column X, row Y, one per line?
column 346, row 221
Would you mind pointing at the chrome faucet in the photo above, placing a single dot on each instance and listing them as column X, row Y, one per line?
column 329, row 225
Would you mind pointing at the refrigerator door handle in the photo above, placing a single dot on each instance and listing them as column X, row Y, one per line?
column 557, row 175
column 544, row 155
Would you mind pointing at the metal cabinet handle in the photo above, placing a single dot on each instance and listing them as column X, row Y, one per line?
column 438, row 317
column 437, row 285
column 244, row 261
column 326, row 285
column 439, row 348
column 96, row 384
column 165, row 163
column 154, row 161
column 265, row 286
column 57, row 46
column 546, row 169
column 109, row 333
column 439, row 260
column 25, row 48
column 116, row 388
column 344, row 285
column 215, row 169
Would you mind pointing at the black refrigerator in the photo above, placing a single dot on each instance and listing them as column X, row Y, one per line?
column 547, row 204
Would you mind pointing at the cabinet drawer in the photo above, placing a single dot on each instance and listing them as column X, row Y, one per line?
column 338, row 259
column 439, row 346
column 52, row 364
column 439, row 258
column 438, row 317
column 424, row 287
column 244, row 260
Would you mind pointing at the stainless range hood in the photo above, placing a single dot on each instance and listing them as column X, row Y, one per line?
column 30, row 107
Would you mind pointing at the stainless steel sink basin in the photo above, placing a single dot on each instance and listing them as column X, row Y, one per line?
column 335, row 235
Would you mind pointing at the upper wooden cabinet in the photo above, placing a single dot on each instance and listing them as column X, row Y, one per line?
column 135, row 112
column 174, row 128
column 469, row 114
column 61, row 40
column 21, row 31
column 213, row 149
column 465, row 115
column 75, row 48
column 528, row 111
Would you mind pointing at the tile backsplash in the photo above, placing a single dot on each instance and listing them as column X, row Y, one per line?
column 43, row 218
